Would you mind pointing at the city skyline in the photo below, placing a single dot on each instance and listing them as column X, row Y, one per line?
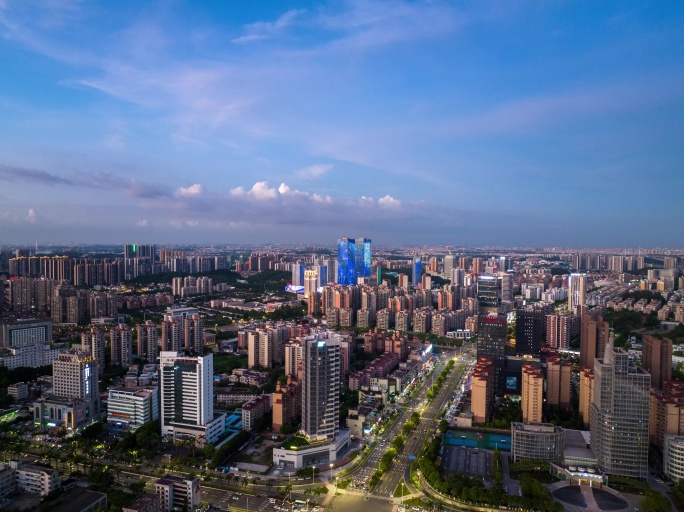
column 410, row 122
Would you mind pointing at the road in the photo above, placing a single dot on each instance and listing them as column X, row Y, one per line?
column 401, row 464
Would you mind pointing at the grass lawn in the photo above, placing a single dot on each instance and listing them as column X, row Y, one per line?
column 344, row 484
column 296, row 442
column 401, row 490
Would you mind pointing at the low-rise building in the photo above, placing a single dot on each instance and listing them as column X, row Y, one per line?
column 177, row 492
column 133, row 408
column 81, row 500
column 254, row 410
column 18, row 391
column 673, row 457
column 536, row 441
column 148, row 502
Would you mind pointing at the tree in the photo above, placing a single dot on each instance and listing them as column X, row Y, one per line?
column 443, row 426
column 655, row 502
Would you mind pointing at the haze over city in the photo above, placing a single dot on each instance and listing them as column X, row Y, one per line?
column 552, row 124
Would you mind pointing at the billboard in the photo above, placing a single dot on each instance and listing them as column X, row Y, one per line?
column 294, row 289
column 511, row 383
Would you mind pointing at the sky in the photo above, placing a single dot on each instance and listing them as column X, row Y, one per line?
column 522, row 123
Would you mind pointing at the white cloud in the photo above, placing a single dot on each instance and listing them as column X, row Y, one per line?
column 321, row 199
column 283, row 188
column 314, row 171
column 262, row 30
column 238, row 191
column 31, row 216
column 142, row 223
column 389, row 202
column 261, row 191
column 366, row 201
column 192, row 190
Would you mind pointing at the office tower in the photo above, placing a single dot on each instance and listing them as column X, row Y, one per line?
column 477, row 266
column 310, row 283
column 148, row 341
column 505, row 264
column 122, row 345
column 416, row 270
column 558, row 382
column 656, row 359
column 482, row 390
column 529, row 324
column 449, row 265
column 488, row 294
column 586, row 393
column 298, row 271
column 353, row 260
column 321, row 368
column 457, row 277
column 75, row 375
column 94, row 342
column 491, row 337
column 577, row 289
column 187, row 402
column 193, row 334
column 619, row 417
column 594, row 336
column 532, row 398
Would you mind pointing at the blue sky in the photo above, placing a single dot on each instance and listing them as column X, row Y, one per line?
column 411, row 122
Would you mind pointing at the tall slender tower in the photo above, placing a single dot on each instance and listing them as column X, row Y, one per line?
column 321, row 368
column 577, row 290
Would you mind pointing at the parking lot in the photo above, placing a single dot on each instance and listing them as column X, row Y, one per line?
column 470, row 461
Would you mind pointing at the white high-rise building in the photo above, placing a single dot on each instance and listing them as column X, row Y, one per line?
column 76, row 375
column 310, row 283
column 322, row 370
column 577, row 291
column 449, row 264
column 187, row 403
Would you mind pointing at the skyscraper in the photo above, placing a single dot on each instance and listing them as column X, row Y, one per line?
column 353, row 260
column 187, row 402
column 619, row 416
column 529, row 325
column 148, row 341
column 449, row 265
column 416, row 270
column 298, row 270
column 577, row 289
column 321, row 368
column 491, row 337
column 594, row 337
column 488, row 294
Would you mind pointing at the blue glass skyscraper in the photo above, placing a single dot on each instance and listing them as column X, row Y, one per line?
column 353, row 260
column 417, row 268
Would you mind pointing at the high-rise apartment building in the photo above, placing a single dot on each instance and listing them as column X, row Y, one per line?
column 322, row 367
column 310, row 283
column 532, row 399
column 187, row 401
column 577, row 291
column 450, row 264
column 586, row 393
column 558, row 382
column 172, row 335
column 594, row 337
column 193, row 334
column 298, row 270
column 148, row 341
column 666, row 412
column 353, row 260
column 93, row 341
column 619, row 418
column 121, row 338
column 482, row 390
column 656, row 359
